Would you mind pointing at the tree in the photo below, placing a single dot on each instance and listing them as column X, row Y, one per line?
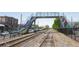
column 57, row 23
column 47, row 26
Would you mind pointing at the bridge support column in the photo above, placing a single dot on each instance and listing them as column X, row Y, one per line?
column 34, row 22
column 34, row 25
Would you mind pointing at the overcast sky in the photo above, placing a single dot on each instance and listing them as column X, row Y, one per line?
column 43, row 21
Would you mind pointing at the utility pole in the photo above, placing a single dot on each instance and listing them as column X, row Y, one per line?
column 38, row 24
column 71, row 27
column 20, row 20
column 63, row 13
column 58, row 14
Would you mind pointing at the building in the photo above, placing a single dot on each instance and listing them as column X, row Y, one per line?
column 2, row 28
column 10, row 23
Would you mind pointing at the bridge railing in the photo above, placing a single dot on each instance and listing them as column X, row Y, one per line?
column 28, row 19
column 45, row 14
column 41, row 14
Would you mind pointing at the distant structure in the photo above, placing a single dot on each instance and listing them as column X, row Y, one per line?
column 10, row 23
column 76, row 24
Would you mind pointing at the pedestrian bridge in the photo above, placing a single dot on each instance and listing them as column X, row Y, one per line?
column 36, row 15
column 32, row 18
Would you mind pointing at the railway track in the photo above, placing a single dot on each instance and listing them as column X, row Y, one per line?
column 48, row 42
column 43, row 40
column 18, row 40
column 38, row 39
column 33, row 42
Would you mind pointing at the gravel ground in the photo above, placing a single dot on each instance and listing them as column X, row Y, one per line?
column 48, row 41
column 62, row 40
